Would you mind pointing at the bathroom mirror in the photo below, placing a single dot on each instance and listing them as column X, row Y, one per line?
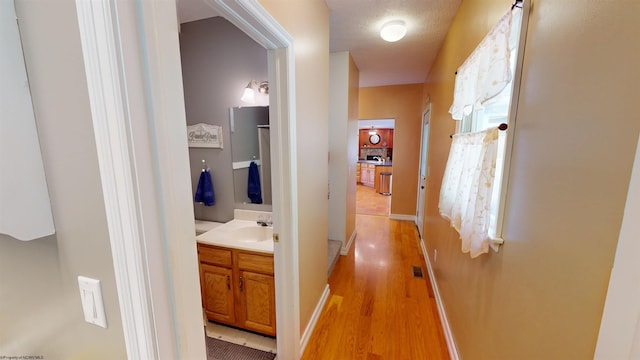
column 250, row 142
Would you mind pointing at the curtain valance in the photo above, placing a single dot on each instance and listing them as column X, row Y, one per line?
column 486, row 72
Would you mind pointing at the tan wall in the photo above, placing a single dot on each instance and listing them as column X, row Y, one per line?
column 541, row 296
column 404, row 104
column 40, row 308
column 307, row 22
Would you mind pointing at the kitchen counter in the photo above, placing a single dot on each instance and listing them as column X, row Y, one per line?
column 375, row 162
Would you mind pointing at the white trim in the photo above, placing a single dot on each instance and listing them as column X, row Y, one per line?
column 111, row 122
column 513, row 111
column 619, row 335
column 420, row 206
column 448, row 334
column 244, row 164
column 345, row 247
column 403, row 217
column 250, row 17
column 314, row 319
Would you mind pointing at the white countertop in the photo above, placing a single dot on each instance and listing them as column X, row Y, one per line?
column 237, row 234
column 377, row 163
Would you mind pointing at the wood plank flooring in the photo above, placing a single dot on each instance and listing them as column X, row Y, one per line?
column 369, row 202
column 377, row 309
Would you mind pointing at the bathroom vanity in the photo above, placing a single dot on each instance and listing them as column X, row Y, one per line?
column 236, row 274
column 238, row 288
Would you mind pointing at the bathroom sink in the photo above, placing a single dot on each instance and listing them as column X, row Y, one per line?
column 252, row 233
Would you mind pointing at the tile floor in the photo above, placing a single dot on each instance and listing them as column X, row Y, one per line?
column 237, row 336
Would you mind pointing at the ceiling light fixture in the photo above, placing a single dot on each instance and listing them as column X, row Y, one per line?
column 393, row 31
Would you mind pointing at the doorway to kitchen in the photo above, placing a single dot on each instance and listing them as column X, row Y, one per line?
column 374, row 171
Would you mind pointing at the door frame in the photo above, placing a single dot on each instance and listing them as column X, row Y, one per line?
column 424, row 152
column 251, row 18
column 140, row 130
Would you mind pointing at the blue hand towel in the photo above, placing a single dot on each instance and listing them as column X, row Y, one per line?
column 204, row 192
column 253, row 186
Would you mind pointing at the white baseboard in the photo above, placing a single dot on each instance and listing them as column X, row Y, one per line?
column 402, row 217
column 314, row 319
column 451, row 345
column 345, row 248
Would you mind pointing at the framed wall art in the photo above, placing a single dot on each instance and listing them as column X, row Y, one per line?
column 205, row 136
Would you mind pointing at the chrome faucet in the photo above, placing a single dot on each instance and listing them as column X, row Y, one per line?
column 264, row 221
column 379, row 158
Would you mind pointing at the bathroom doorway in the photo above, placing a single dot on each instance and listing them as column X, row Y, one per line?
column 167, row 325
column 269, row 70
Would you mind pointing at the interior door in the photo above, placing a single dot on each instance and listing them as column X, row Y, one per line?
column 424, row 171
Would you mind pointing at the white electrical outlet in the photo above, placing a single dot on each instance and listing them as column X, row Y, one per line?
column 92, row 304
column 435, row 255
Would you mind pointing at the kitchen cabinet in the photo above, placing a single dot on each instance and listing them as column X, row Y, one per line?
column 238, row 288
column 386, row 139
column 367, row 174
column 357, row 173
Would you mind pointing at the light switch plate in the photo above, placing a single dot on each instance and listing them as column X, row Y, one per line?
column 92, row 304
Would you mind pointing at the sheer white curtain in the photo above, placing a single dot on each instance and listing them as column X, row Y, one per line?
column 467, row 188
column 469, row 196
column 486, row 72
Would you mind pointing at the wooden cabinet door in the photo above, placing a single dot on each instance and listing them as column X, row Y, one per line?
column 217, row 291
column 363, row 139
column 367, row 174
column 258, row 303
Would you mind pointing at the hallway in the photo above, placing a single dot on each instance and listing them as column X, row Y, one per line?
column 377, row 309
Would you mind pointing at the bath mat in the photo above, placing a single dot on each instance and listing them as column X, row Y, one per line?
column 222, row 350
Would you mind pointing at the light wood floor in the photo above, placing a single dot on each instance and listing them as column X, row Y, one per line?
column 377, row 309
column 369, row 202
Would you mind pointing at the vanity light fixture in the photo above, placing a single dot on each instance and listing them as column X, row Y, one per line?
column 393, row 31
column 249, row 95
column 372, row 131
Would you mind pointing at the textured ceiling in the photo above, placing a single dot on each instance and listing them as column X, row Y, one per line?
column 355, row 27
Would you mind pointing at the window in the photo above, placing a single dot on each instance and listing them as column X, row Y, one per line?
column 482, row 100
column 491, row 114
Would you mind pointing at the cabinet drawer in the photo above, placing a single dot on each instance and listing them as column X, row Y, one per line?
column 255, row 262
column 214, row 256
column 371, row 166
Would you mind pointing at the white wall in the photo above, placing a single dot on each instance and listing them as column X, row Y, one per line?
column 619, row 332
column 343, row 145
column 41, row 302
column 338, row 135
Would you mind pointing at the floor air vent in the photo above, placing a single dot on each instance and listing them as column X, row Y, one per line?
column 417, row 272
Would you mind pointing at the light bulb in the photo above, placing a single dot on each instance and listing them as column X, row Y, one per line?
column 248, row 96
column 393, row 30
